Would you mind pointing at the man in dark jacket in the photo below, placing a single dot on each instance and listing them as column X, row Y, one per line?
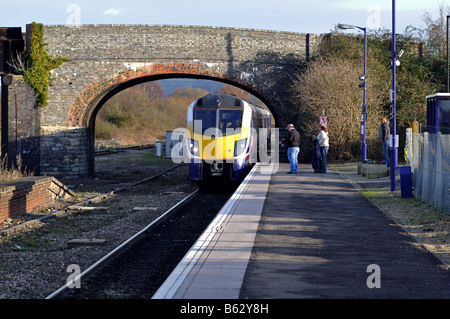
column 293, row 148
column 316, row 156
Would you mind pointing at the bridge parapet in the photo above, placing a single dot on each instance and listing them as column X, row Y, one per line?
column 106, row 59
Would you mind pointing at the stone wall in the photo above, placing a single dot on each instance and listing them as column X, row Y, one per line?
column 20, row 123
column 106, row 59
column 260, row 59
column 65, row 151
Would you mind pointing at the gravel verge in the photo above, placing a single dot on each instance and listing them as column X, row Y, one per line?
column 34, row 261
column 427, row 225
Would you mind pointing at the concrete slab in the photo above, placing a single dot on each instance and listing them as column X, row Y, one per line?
column 305, row 236
column 320, row 238
column 216, row 264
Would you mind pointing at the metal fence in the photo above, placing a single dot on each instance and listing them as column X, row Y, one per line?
column 428, row 154
column 110, row 143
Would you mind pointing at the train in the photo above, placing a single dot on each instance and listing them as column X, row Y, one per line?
column 222, row 137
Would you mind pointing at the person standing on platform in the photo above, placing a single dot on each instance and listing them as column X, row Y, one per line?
column 383, row 134
column 293, row 148
column 316, row 156
column 323, row 144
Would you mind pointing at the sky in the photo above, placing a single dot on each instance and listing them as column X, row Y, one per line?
column 306, row 16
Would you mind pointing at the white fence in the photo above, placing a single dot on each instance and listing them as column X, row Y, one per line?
column 111, row 143
column 429, row 157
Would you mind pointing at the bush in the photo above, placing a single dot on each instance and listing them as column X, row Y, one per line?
column 102, row 130
column 118, row 117
column 37, row 72
column 329, row 86
column 16, row 171
column 138, row 117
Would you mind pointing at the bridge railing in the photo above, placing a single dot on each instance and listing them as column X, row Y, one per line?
column 115, row 143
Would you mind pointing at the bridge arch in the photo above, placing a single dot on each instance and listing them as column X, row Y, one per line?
column 105, row 59
column 84, row 110
column 90, row 100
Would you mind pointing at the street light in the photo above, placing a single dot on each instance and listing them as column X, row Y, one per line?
column 363, row 80
column 448, row 80
column 394, row 151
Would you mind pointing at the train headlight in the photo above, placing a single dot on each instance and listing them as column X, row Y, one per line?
column 239, row 146
column 193, row 147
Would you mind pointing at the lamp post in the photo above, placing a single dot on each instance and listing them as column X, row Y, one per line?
column 394, row 151
column 448, row 81
column 363, row 80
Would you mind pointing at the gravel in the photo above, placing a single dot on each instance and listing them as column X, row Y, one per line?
column 427, row 225
column 34, row 261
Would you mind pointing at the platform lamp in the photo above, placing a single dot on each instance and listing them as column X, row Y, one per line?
column 363, row 80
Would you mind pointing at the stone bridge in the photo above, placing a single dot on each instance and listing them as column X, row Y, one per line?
column 59, row 139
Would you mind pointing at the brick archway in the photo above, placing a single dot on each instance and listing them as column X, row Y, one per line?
column 105, row 59
column 83, row 110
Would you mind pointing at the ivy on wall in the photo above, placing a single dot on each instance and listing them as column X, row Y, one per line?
column 39, row 64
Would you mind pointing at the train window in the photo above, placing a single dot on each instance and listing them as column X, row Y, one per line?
column 230, row 119
column 207, row 118
column 255, row 118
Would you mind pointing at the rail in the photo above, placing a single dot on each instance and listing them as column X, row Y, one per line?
column 119, row 248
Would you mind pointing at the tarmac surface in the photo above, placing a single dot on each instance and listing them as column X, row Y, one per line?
column 305, row 236
column 318, row 237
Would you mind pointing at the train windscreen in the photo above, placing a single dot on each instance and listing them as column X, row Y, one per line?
column 207, row 118
column 230, row 120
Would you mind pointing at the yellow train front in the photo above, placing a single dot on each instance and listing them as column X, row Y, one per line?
column 222, row 139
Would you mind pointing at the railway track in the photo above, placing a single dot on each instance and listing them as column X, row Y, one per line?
column 122, row 149
column 138, row 267
column 97, row 198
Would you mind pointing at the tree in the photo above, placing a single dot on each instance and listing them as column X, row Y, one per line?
column 153, row 89
column 230, row 89
column 190, row 92
column 435, row 32
column 329, row 86
column 421, row 72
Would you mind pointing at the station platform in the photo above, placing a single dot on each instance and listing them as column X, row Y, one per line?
column 303, row 236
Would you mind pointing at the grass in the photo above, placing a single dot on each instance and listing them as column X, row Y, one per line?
column 12, row 172
column 410, row 211
column 429, row 226
column 405, row 211
column 38, row 239
column 137, row 118
column 341, row 166
column 28, row 242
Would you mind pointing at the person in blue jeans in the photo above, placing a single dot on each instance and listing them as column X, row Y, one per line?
column 293, row 148
column 324, row 145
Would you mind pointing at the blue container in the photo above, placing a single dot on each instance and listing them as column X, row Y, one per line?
column 438, row 112
column 406, row 181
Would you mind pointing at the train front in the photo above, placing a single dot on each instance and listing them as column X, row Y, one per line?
column 219, row 139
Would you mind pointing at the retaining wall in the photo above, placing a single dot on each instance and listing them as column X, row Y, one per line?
column 27, row 194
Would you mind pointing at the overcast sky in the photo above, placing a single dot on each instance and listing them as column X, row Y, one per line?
column 312, row 16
